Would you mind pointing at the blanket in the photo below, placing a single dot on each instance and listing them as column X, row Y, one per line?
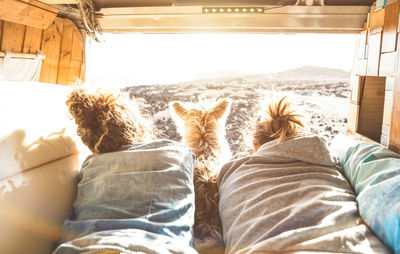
column 140, row 200
column 291, row 197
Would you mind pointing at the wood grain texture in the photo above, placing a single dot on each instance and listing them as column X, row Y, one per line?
column 394, row 140
column 352, row 123
column 41, row 5
column 65, row 55
column 12, row 37
column 75, row 67
column 60, row 1
column 71, row 55
column 51, row 45
column 377, row 19
column 1, row 31
column 357, row 86
column 25, row 13
column 371, row 108
column 33, row 40
column 389, row 34
column 388, row 106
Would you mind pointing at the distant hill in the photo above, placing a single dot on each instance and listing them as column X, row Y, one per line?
column 302, row 73
column 311, row 73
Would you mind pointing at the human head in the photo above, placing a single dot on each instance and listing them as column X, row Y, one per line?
column 107, row 121
column 280, row 122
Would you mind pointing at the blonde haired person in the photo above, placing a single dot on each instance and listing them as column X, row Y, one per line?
column 289, row 196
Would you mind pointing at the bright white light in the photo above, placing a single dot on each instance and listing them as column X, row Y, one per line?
column 129, row 59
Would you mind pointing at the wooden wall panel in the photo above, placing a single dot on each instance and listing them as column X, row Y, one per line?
column 352, row 123
column 389, row 36
column 1, row 31
column 362, row 43
column 75, row 67
column 374, row 49
column 28, row 12
column 65, row 55
column 388, row 106
column 71, row 54
column 13, row 37
column 394, row 141
column 377, row 19
column 33, row 40
column 357, row 86
column 371, row 108
column 51, row 46
column 61, row 44
column 361, row 67
column 387, row 64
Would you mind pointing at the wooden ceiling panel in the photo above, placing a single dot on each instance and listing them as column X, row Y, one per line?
column 328, row 19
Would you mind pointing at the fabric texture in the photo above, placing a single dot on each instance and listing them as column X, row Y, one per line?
column 374, row 172
column 291, row 197
column 141, row 199
column 40, row 157
column 18, row 69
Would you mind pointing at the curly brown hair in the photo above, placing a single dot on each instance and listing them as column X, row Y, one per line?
column 280, row 122
column 107, row 122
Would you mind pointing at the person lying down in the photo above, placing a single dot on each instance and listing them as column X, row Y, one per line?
column 289, row 196
column 135, row 193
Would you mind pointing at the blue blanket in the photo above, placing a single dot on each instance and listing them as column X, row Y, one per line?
column 374, row 172
column 140, row 199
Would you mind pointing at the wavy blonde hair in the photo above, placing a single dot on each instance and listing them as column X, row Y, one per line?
column 281, row 121
column 107, row 122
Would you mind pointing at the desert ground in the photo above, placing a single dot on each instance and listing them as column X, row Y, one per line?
column 324, row 103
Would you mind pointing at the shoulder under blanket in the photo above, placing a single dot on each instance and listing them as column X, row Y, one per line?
column 290, row 197
column 138, row 200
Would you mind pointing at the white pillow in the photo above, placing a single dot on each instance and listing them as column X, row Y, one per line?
column 40, row 156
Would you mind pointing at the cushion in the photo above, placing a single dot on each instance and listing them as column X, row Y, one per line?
column 40, row 156
column 374, row 172
column 36, row 127
column 34, row 205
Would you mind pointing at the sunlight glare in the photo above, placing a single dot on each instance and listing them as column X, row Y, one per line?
column 170, row 58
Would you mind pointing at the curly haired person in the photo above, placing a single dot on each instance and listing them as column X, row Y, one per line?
column 135, row 193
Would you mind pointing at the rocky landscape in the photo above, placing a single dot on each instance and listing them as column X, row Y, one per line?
column 320, row 94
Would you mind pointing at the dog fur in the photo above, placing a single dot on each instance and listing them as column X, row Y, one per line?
column 203, row 130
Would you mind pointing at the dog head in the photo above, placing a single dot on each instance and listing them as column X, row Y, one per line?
column 201, row 124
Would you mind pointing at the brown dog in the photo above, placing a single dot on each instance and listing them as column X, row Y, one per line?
column 203, row 130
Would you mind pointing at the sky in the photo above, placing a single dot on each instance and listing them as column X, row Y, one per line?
column 170, row 58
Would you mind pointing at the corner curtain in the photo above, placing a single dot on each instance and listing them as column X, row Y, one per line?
column 17, row 67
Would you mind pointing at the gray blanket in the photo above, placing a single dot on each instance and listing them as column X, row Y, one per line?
column 290, row 197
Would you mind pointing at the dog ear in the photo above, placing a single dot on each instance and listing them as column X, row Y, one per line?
column 221, row 108
column 178, row 108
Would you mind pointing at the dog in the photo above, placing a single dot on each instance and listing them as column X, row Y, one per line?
column 108, row 122
column 203, row 131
